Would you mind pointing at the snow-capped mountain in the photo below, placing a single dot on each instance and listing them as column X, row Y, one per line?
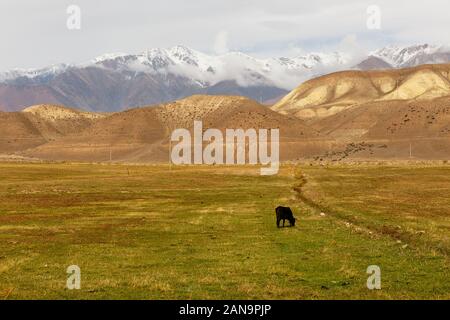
column 398, row 56
column 210, row 69
column 206, row 70
column 114, row 82
column 33, row 73
column 410, row 56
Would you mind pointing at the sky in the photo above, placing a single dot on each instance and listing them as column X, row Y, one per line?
column 34, row 33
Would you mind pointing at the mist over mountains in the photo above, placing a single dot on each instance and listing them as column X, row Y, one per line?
column 115, row 82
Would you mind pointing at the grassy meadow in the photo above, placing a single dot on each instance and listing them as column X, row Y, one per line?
column 154, row 232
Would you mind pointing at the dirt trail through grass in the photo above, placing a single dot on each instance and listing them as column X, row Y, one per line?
column 362, row 220
column 329, row 211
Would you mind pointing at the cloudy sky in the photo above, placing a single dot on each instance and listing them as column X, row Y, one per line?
column 34, row 33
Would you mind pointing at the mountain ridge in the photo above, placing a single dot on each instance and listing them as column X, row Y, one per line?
column 115, row 82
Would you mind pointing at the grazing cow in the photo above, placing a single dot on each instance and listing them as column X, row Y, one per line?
column 284, row 213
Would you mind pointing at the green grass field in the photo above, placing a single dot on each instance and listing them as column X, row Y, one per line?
column 147, row 232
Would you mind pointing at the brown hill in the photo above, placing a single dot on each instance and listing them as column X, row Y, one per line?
column 228, row 112
column 333, row 93
column 56, row 121
column 394, row 129
column 120, row 136
column 17, row 133
column 142, row 134
column 390, row 120
column 379, row 129
column 40, row 124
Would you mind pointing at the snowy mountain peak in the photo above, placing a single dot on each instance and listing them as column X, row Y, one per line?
column 33, row 73
column 207, row 70
column 108, row 56
column 211, row 69
column 181, row 51
column 405, row 56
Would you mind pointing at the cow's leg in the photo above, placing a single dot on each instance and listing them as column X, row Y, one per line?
column 278, row 223
column 283, row 222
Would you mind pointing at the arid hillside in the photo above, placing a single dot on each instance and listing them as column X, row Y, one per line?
column 393, row 119
column 40, row 124
column 142, row 134
column 394, row 129
column 333, row 93
column 389, row 114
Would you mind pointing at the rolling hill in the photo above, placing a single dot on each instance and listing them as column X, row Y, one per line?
column 40, row 124
column 330, row 94
column 142, row 134
column 384, row 114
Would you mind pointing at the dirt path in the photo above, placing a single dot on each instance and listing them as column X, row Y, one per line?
column 372, row 230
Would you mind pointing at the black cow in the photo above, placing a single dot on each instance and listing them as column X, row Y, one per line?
column 284, row 213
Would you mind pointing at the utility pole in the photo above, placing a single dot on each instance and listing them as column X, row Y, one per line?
column 110, row 154
column 410, row 150
column 170, row 154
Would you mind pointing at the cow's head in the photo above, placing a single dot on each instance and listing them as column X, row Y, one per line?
column 292, row 221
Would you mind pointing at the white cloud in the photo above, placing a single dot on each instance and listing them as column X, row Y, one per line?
column 34, row 33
